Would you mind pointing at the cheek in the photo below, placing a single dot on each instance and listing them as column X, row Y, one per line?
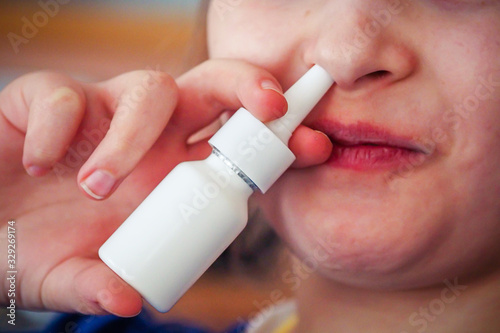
column 253, row 34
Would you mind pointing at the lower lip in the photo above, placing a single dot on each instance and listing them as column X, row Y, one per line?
column 368, row 157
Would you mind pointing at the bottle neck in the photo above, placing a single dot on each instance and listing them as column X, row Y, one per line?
column 232, row 169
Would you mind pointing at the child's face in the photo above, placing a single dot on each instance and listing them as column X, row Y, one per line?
column 419, row 81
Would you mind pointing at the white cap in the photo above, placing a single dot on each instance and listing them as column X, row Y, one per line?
column 260, row 151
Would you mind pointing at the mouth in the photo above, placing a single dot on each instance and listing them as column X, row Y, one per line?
column 363, row 147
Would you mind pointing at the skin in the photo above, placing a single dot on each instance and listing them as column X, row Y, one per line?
column 384, row 241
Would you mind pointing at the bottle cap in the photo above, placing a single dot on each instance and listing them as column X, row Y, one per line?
column 260, row 151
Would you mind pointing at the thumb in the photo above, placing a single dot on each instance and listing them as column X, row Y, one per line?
column 89, row 287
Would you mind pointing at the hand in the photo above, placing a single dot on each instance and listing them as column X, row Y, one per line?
column 64, row 143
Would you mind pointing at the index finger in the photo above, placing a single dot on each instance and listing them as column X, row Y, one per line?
column 219, row 85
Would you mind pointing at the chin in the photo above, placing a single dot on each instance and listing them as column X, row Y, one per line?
column 370, row 239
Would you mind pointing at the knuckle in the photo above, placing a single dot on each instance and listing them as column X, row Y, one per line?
column 66, row 100
column 148, row 86
column 55, row 79
column 162, row 79
column 153, row 79
column 62, row 93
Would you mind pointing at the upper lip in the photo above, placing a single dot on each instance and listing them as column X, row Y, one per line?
column 363, row 133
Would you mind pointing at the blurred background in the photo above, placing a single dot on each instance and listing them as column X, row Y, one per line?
column 96, row 40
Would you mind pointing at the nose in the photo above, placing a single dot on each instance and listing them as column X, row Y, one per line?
column 360, row 44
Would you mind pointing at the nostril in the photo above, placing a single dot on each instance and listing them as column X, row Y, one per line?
column 378, row 74
column 374, row 76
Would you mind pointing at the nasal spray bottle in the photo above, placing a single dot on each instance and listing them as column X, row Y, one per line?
column 195, row 213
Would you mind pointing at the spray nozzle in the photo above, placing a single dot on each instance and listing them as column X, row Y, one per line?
column 301, row 97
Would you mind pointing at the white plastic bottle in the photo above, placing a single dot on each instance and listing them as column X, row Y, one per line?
column 195, row 213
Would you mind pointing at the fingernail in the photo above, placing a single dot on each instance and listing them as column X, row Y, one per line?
column 322, row 133
column 36, row 171
column 98, row 184
column 270, row 85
